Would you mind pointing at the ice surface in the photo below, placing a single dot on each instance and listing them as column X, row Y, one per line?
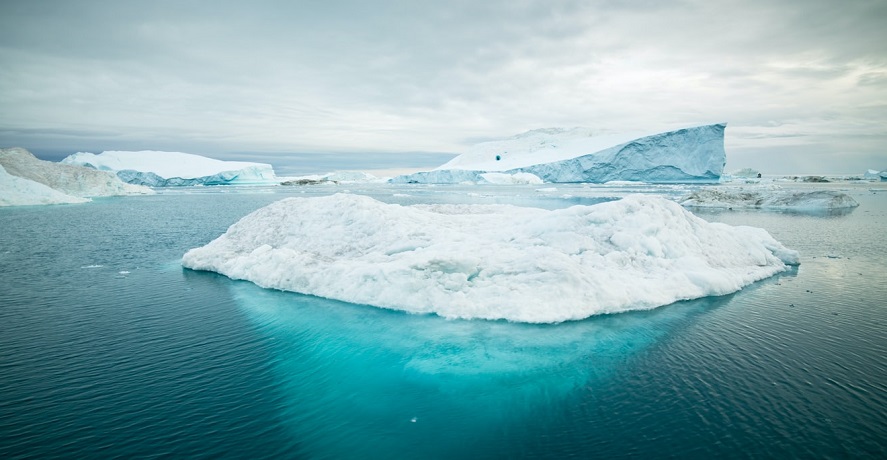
column 162, row 169
column 577, row 155
column 68, row 179
column 492, row 261
column 17, row 191
column 773, row 197
column 516, row 178
column 874, row 174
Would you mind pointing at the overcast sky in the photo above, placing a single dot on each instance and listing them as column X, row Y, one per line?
column 802, row 84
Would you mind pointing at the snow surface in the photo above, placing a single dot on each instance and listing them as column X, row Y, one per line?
column 16, row 191
column 577, row 155
column 160, row 169
column 773, row 197
column 492, row 261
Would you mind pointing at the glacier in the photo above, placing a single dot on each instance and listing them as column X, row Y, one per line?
column 492, row 262
column 28, row 180
column 773, row 197
column 690, row 155
column 166, row 169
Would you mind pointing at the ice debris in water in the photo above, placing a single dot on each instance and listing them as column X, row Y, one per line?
column 492, row 261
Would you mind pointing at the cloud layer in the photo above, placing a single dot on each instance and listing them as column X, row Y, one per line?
column 803, row 85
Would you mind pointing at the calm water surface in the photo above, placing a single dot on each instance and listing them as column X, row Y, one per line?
column 108, row 348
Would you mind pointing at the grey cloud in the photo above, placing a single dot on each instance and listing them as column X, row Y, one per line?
column 340, row 76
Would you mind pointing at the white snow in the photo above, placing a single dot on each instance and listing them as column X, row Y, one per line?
column 16, row 191
column 492, row 261
column 175, row 165
column 772, row 197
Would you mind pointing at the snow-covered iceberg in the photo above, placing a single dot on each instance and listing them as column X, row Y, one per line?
column 773, row 197
column 65, row 183
column 164, row 169
column 492, row 261
column 578, row 155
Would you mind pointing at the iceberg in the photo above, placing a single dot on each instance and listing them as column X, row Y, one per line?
column 492, row 261
column 691, row 155
column 336, row 177
column 770, row 198
column 874, row 174
column 70, row 183
column 165, row 169
column 17, row 191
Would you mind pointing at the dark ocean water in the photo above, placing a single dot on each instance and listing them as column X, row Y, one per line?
column 108, row 348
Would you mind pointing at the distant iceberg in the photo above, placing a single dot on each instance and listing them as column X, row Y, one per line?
column 492, row 261
column 874, row 174
column 772, row 197
column 336, row 177
column 17, row 191
column 689, row 155
column 27, row 180
column 164, row 169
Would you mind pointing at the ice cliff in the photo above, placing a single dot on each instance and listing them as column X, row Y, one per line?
column 163, row 169
column 578, row 155
column 28, row 180
column 492, row 261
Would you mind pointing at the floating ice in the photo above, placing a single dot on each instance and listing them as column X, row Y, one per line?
column 492, row 261
column 163, row 169
column 578, row 155
column 773, row 197
column 17, row 191
column 68, row 183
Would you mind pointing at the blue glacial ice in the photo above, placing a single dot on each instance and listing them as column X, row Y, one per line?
column 691, row 155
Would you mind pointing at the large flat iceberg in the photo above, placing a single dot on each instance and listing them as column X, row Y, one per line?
column 28, row 180
column 164, row 169
column 578, row 155
column 492, row 261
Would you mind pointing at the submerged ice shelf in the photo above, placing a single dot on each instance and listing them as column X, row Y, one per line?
column 492, row 261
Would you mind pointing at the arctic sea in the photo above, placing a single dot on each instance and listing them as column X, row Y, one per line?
column 110, row 349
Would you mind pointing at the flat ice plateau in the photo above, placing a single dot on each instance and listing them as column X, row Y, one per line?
column 492, row 261
column 164, row 169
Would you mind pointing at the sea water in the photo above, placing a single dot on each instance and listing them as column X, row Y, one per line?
column 108, row 348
